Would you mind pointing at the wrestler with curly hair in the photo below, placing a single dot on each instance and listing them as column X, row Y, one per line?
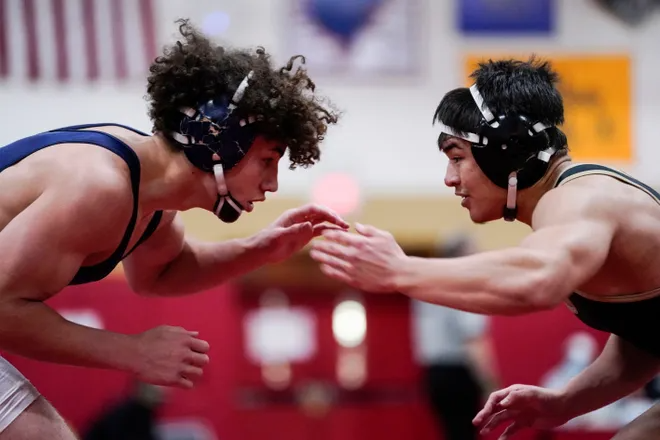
column 76, row 201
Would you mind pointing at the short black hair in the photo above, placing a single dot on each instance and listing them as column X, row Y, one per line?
column 195, row 70
column 527, row 88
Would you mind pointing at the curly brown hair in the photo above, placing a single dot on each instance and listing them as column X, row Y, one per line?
column 196, row 70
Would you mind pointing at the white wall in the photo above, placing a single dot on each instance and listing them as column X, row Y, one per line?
column 386, row 133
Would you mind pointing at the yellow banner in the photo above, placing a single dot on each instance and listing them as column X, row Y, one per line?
column 597, row 103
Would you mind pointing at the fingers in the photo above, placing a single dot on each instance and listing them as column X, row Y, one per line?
column 333, row 254
column 368, row 230
column 316, row 214
column 322, row 214
column 198, row 359
column 334, row 249
column 318, row 229
column 338, row 274
column 303, row 227
column 343, row 237
column 199, row 345
column 297, row 229
column 489, row 408
column 192, row 373
column 184, row 383
column 498, row 419
column 330, row 260
column 510, row 431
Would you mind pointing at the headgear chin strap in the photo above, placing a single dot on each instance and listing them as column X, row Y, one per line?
column 214, row 140
column 512, row 151
column 226, row 207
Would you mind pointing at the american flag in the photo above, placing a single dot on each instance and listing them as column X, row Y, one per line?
column 76, row 40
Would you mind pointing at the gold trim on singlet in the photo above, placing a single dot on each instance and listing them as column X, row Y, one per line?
column 623, row 177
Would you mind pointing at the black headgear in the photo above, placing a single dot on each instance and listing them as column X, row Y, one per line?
column 215, row 140
column 513, row 151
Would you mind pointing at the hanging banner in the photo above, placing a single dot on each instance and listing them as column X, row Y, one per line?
column 506, row 16
column 355, row 38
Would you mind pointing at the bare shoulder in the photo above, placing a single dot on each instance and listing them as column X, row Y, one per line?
column 585, row 199
column 103, row 183
column 95, row 198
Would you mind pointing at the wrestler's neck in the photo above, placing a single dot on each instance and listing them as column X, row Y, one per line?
column 169, row 181
column 529, row 198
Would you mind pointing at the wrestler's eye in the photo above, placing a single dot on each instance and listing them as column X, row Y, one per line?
column 456, row 159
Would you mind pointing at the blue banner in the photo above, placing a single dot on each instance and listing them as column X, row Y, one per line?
column 343, row 19
column 507, row 16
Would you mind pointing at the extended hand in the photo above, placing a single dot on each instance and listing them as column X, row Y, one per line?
column 368, row 260
column 522, row 406
column 295, row 228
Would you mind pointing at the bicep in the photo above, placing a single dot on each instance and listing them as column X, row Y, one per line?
column 42, row 248
column 574, row 249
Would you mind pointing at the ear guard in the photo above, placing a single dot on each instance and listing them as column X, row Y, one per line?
column 215, row 139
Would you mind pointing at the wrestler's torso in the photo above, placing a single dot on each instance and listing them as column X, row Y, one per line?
column 45, row 169
column 623, row 296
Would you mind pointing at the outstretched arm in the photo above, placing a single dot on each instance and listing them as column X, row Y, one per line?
column 538, row 274
column 171, row 263
column 567, row 248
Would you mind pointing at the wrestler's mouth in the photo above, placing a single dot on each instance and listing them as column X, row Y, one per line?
column 249, row 206
column 464, row 199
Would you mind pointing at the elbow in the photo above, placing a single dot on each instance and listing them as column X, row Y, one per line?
column 147, row 285
column 142, row 288
column 164, row 284
column 152, row 280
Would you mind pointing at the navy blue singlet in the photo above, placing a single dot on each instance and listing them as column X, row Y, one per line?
column 19, row 150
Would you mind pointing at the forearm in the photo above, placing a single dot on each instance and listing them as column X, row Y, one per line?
column 201, row 266
column 507, row 282
column 34, row 330
column 619, row 370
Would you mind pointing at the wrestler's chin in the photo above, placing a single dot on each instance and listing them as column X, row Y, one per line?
column 481, row 217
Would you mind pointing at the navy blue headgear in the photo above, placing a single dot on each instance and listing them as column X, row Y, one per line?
column 512, row 151
column 214, row 139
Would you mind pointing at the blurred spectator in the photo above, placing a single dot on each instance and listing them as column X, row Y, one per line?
column 133, row 418
column 453, row 349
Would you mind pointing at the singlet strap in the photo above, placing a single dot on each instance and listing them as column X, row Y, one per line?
column 109, row 124
column 580, row 170
column 149, row 230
